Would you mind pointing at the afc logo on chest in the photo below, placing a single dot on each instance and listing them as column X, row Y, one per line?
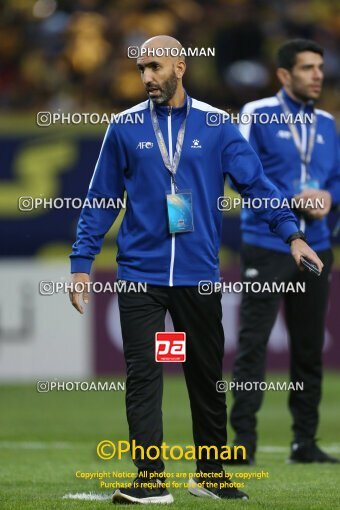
column 144, row 145
column 170, row 347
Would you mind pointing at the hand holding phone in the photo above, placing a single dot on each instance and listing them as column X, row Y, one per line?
column 310, row 265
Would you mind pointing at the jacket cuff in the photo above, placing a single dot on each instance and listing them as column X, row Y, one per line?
column 286, row 229
column 81, row 265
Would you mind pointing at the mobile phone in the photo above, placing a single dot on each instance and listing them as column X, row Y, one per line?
column 310, row 265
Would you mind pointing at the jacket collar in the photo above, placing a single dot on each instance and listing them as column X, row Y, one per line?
column 175, row 111
column 296, row 106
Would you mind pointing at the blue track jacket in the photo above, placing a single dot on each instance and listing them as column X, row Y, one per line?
column 130, row 160
column 281, row 162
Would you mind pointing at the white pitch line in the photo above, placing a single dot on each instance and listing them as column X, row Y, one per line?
column 35, row 445
column 331, row 448
column 55, row 445
column 273, row 449
column 88, row 496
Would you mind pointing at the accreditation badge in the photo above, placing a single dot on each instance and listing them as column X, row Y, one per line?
column 179, row 206
column 308, row 184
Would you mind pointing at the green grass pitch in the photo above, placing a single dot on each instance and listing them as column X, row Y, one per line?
column 46, row 437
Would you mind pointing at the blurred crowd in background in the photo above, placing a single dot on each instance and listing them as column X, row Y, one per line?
column 72, row 54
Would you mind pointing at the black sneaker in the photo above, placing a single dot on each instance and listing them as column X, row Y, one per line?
column 308, row 451
column 143, row 491
column 202, row 487
column 239, row 460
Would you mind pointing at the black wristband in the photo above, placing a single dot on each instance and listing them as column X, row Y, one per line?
column 297, row 235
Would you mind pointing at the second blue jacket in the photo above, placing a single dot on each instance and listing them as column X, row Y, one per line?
column 281, row 162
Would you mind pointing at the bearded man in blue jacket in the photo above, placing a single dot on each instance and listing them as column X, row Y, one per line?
column 302, row 160
column 172, row 168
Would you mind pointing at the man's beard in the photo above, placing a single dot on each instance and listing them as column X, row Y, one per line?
column 167, row 91
column 303, row 96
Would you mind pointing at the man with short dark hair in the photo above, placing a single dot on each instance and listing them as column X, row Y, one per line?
column 172, row 168
column 302, row 160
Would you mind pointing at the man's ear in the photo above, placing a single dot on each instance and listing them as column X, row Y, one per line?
column 180, row 69
column 283, row 76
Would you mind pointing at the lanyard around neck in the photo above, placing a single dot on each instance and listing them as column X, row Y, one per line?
column 171, row 166
column 304, row 156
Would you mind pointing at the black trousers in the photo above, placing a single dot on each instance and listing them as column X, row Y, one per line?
column 305, row 318
column 142, row 315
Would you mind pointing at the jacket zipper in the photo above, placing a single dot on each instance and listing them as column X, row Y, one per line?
column 172, row 258
column 303, row 176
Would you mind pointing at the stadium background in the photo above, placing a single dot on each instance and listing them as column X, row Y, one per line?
column 70, row 56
